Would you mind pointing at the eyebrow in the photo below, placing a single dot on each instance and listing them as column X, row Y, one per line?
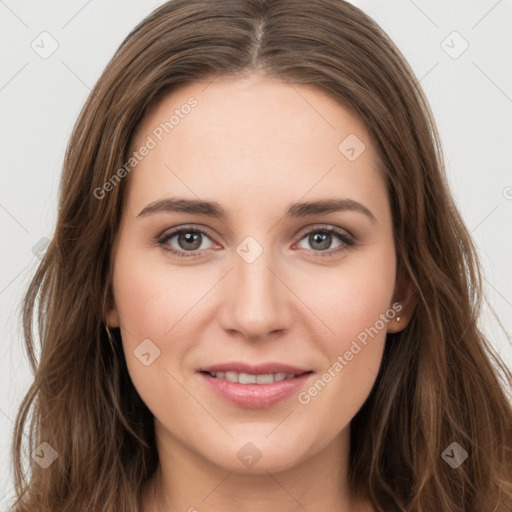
column 215, row 210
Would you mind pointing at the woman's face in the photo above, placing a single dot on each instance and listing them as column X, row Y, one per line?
column 264, row 285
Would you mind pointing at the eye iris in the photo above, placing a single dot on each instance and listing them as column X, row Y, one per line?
column 323, row 238
column 189, row 237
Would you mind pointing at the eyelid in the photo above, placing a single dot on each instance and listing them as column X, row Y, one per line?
column 320, row 227
column 183, row 227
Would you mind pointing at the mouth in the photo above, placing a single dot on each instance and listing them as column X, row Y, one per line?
column 248, row 378
column 254, row 387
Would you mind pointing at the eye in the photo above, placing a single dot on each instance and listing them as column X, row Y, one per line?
column 191, row 240
column 320, row 240
column 188, row 240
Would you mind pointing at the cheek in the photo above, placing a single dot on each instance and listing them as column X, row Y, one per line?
column 351, row 298
column 355, row 305
column 152, row 298
column 154, row 305
column 157, row 304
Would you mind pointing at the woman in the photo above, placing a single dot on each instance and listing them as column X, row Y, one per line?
column 200, row 351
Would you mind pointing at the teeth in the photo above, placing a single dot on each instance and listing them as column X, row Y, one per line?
column 231, row 376
column 265, row 378
column 247, row 378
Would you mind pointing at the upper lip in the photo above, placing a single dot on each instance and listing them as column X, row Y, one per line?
column 253, row 369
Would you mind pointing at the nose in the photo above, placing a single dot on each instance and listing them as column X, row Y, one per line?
column 257, row 301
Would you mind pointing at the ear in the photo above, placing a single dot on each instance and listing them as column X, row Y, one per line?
column 403, row 303
column 112, row 316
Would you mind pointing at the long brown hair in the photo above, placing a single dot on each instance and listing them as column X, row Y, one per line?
column 440, row 380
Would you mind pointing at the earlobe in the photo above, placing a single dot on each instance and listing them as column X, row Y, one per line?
column 399, row 322
column 404, row 302
column 112, row 315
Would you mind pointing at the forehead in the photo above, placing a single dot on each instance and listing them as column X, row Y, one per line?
column 251, row 139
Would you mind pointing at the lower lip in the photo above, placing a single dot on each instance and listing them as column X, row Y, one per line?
column 255, row 396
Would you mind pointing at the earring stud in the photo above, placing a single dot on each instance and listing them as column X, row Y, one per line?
column 398, row 319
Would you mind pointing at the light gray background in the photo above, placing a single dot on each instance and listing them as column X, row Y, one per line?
column 471, row 97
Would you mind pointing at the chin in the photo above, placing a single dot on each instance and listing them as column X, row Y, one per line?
column 259, row 456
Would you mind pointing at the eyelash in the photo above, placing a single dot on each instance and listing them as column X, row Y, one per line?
column 347, row 241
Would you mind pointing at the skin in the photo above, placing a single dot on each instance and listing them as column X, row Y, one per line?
column 255, row 145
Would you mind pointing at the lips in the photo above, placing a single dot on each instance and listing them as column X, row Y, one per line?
column 254, row 386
